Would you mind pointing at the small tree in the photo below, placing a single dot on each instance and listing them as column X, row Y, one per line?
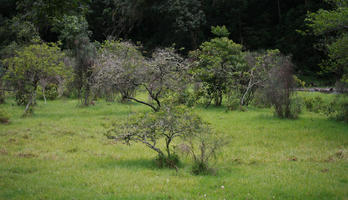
column 168, row 124
column 279, row 87
column 117, row 69
column 203, row 146
column 30, row 65
column 165, row 72
column 260, row 66
column 122, row 67
column 219, row 65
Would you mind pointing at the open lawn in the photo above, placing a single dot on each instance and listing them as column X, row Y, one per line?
column 61, row 153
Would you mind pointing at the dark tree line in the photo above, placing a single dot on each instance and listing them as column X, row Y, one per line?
column 268, row 24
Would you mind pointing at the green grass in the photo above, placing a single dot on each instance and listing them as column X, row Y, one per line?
column 61, row 153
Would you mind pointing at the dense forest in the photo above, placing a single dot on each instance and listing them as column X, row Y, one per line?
column 257, row 25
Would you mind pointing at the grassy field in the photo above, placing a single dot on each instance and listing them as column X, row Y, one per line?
column 61, row 153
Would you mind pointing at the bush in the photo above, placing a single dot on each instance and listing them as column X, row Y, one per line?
column 295, row 107
column 4, row 117
column 168, row 124
column 233, row 102
column 164, row 161
column 315, row 104
column 279, row 88
column 181, row 98
column 338, row 109
column 171, row 123
column 200, row 168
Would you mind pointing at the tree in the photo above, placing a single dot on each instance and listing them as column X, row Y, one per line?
column 29, row 66
column 118, row 69
column 279, row 85
column 260, row 66
column 188, row 17
column 168, row 124
column 219, row 65
column 44, row 13
column 334, row 25
column 123, row 68
column 74, row 33
column 165, row 72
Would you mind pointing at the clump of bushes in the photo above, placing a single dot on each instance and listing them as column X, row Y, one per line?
column 338, row 109
column 315, row 104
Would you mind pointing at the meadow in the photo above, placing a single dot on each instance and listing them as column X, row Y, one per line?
column 61, row 153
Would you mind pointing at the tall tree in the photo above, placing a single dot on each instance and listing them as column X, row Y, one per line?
column 334, row 25
column 219, row 65
column 30, row 65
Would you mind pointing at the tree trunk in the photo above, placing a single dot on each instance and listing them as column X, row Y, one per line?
column 218, row 99
column 43, row 94
column 87, row 90
column 2, row 93
column 168, row 140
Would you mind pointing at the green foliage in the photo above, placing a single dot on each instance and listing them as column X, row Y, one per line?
column 338, row 109
column 171, row 161
column 168, row 124
column 233, row 102
column 260, row 100
column 220, row 31
column 219, row 65
column 203, row 147
column 71, row 28
column 315, row 104
column 51, row 92
column 29, row 66
column 333, row 24
column 296, row 103
column 299, row 82
column 43, row 14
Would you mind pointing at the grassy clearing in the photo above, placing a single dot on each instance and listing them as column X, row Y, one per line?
column 61, row 153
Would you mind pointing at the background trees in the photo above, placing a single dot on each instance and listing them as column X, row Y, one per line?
column 254, row 24
column 73, row 31
column 334, row 25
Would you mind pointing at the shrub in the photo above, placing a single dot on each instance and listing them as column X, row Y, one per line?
column 295, row 107
column 315, row 104
column 338, row 109
column 233, row 103
column 4, row 117
column 171, row 161
column 168, row 124
column 278, row 88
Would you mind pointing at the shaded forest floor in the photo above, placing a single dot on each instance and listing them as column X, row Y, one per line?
column 61, row 153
